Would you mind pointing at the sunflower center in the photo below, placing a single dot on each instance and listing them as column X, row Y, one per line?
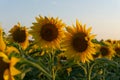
column 79, row 43
column 49, row 32
column 104, row 51
column 109, row 41
column 3, row 67
column 117, row 50
column 19, row 35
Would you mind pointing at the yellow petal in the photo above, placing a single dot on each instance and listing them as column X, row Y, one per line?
column 89, row 30
column 13, row 61
column 2, row 43
column 6, row 74
column 11, row 49
column 4, row 56
column 14, row 71
column 70, row 30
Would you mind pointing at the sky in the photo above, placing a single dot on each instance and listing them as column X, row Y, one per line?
column 102, row 15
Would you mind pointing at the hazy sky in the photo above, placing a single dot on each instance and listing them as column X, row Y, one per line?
column 102, row 15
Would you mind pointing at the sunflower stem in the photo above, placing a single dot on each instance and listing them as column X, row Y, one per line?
column 53, row 73
column 37, row 66
column 85, row 71
column 104, row 74
column 53, row 67
column 88, row 71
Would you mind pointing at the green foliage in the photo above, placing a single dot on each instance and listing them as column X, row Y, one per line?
column 34, row 66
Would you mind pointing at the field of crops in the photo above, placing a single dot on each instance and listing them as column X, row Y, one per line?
column 53, row 50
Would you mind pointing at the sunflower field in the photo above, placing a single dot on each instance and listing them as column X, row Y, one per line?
column 52, row 50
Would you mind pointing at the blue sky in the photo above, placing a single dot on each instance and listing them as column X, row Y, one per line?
column 102, row 15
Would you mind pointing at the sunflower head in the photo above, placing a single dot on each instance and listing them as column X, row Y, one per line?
column 106, row 51
column 117, row 49
column 20, row 35
column 109, row 41
column 47, row 31
column 7, row 70
column 112, row 42
column 78, row 43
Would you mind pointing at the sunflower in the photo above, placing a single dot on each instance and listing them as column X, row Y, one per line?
column 115, row 41
column 112, row 42
column 47, row 32
column 7, row 70
column 20, row 35
column 106, row 51
column 78, row 43
column 109, row 41
column 2, row 43
column 117, row 49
